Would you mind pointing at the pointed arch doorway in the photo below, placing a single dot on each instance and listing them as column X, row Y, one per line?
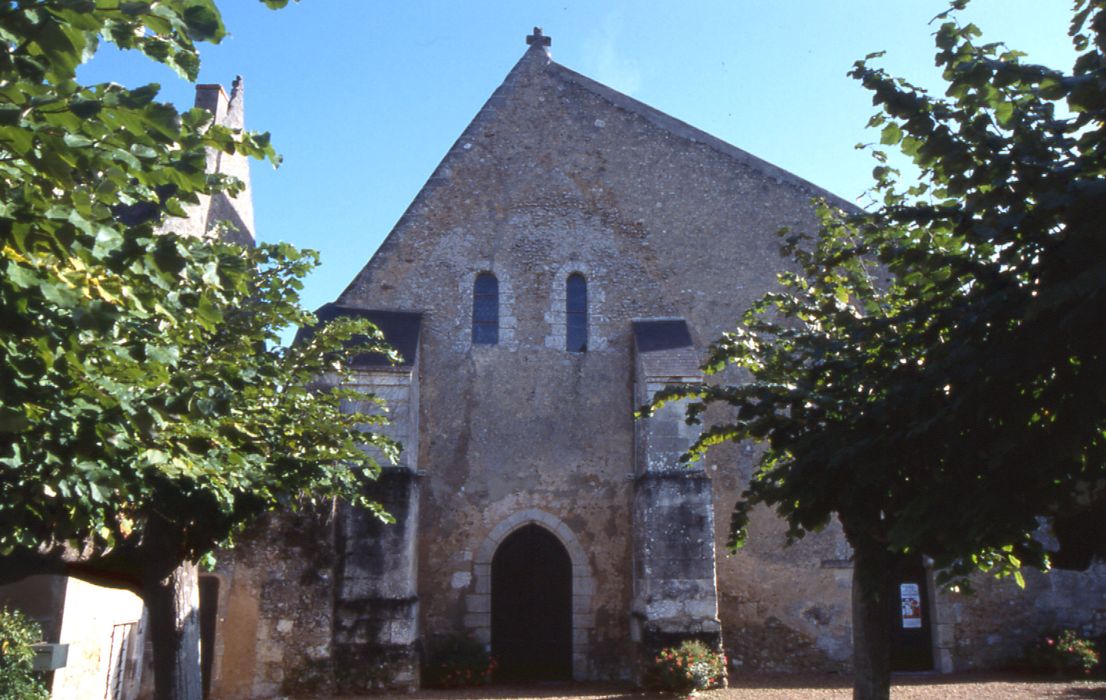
column 531, row 620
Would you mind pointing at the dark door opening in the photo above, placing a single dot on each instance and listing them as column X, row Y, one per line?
column 209, row 614
column 911, row 629
column 532, row 607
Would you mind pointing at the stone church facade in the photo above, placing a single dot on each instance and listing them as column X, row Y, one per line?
column 574, row 251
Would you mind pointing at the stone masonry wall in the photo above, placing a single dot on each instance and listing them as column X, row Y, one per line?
column 376, row 593
column 319, row 602
column 275, row 617
column 675, row 593
column 993, row 626
column 376, row 600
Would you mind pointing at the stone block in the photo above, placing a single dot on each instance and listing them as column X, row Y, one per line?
column 403, row 632
column 356, row 589
column 460, row 579
column 478, row 620
column 663, row 609
column 583, row 585
column 945, row 635
column 579, row 620
column 579, row 667
column 270, row 652
column 701, row 609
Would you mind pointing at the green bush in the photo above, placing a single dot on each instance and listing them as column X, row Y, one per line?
column 17, row 679
column 1063, row 653
column 688, row 667
column 457, row 662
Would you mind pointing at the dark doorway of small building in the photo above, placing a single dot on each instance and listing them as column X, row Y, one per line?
column 912, row 629
column 532, row 607
column 209, row 614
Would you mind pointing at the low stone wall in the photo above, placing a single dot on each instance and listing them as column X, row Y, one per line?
column 275, row 615
column 992, row 627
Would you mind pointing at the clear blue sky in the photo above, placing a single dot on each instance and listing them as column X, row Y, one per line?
column 364, row 98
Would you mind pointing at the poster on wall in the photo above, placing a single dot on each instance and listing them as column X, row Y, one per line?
column 911, row 605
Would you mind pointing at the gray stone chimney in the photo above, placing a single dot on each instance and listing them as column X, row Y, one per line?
column 222, row 215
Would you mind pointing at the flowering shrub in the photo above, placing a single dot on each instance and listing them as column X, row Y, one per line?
column 458, row 662
column 17, row 680
column 1063, row 652
column 690, row 666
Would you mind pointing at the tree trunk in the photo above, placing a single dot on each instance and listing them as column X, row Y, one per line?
column 173, row 606
column 872, row 620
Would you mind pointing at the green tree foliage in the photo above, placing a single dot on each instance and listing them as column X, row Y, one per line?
column 932, row 373
column 17, row 676
column 147, row 410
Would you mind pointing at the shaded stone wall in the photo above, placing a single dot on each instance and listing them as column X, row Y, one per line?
column 675, row 594
column 275, row 616
column 993, row 626
column 376, row 598
column 674, row 560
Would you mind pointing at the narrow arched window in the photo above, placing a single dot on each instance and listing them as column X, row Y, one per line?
column 576, row 313
column 485, row 309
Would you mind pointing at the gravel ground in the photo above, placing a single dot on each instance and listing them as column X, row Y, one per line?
column 912, row 687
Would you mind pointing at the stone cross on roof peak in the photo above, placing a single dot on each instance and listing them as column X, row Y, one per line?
column 538, row 39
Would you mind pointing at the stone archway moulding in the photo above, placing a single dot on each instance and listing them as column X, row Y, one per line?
column 478, row 605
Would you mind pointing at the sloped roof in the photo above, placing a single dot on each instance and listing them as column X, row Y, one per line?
column 665, row 350
column 400, row 328
column 683, row 130
column 661, row 334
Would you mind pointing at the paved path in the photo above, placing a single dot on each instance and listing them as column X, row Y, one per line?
column 791, row 687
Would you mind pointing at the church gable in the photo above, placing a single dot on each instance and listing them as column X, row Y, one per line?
column 556, row 168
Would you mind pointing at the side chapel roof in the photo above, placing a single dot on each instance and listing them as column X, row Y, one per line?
column 400, row 328
column 665, row 350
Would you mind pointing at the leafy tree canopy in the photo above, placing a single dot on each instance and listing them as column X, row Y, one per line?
column 146, row 407
column 931, row 372
column 934, row 369
column 18, row 679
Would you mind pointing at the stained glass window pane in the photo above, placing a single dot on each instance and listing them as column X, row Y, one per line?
column 485, row 309
column 576, row 313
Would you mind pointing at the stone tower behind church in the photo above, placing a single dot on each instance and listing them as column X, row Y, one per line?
column 230, row 217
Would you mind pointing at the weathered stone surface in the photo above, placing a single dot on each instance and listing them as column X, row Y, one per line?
column 276, row 609
column 993, row 627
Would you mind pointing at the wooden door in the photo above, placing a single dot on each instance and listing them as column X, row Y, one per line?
column 532, row 607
